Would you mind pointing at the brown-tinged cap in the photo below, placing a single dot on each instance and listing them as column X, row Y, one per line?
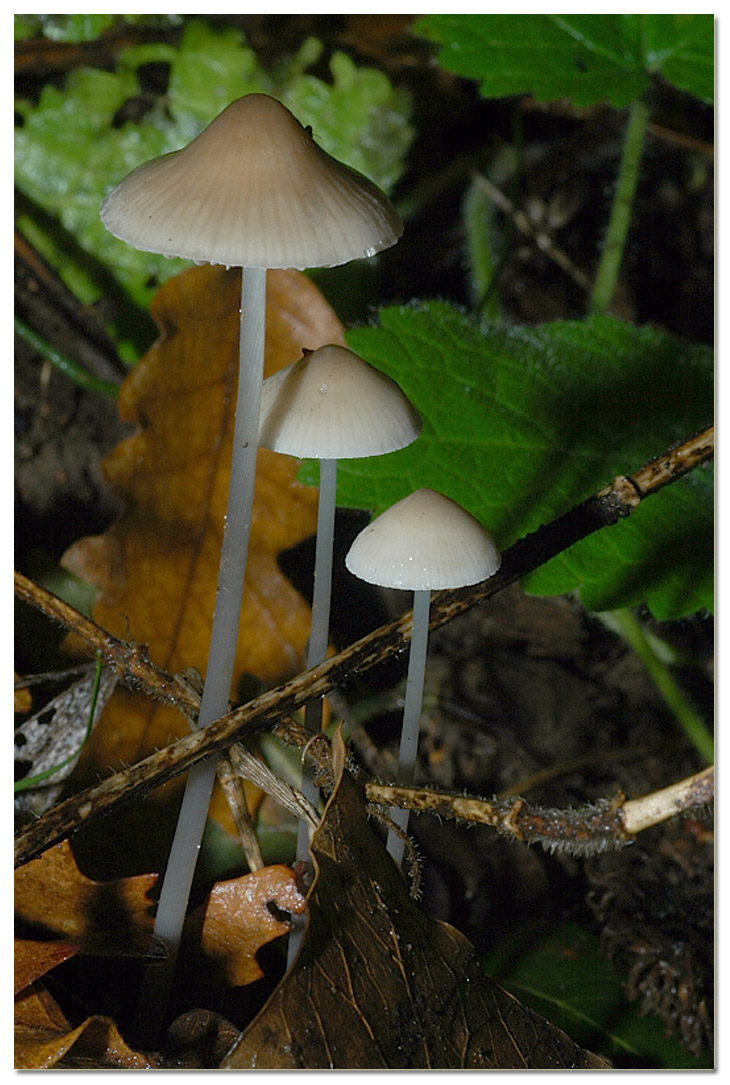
column 252, row 190
column 424, row 542
column 333, row 405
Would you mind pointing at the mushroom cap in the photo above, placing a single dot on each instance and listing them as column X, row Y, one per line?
column 252, row 190
column 424, row 542
column 333, row 405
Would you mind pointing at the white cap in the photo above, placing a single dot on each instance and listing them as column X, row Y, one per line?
column 332, row 405
column 424, row 542
column 252, row 190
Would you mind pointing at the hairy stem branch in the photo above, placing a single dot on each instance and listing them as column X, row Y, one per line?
column 606, row 507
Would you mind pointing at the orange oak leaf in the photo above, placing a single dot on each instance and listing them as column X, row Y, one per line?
column 51, row 894
column 156, row 567
column 239, row 917
column 33, row 958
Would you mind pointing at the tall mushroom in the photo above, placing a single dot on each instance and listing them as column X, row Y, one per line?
column 422, row 543
column 331, row 405
column 253, row 190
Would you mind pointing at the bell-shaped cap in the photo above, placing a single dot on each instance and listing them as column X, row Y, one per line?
column 252, row 190
column 332, row 405
column 424, row 542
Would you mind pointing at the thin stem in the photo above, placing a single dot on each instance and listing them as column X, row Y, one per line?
column 319, row 629
column 224, row 635
column 63, row 363
column 626, row 624
column 609, row 505
column 477, row 224
column 319, row 632
column 623, row 200
column 411, row 714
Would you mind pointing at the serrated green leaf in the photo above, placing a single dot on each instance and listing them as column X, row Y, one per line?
column 520, row 424
column 358, row 116
column 360, row 102
column 587, row 58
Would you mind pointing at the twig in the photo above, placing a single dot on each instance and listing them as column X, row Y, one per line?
column 128, row 660
column 694, row 792
column 606, row 507
column 231, row 783
column 525, row 225
column 589, row 830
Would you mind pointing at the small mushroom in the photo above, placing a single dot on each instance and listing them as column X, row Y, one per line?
column 253, row 190
column 331, row 405
column 422, row 543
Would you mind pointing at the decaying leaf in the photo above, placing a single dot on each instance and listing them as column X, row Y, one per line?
column 53, row 739
column 155, row 570
column 377, row 985
column 43, row 1038
column 53, row 895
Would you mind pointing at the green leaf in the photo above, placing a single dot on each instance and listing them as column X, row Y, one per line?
column 587, row 58
column 520, row 424
column 69, row 152
column 360, row 102
column 560, row 973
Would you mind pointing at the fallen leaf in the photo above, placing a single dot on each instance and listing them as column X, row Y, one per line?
column 34, row 958
column 377, row 985
column 198, row 1040
column 43, row 1037
column 52, row 739
column 238, row 919
column 156, row 568
column 22, row 697
column 52, row 894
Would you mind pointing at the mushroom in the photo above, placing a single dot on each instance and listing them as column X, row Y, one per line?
column 331, row 405
column 422, row 543
column 253, row 190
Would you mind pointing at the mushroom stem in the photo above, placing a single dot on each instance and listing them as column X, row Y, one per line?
column 224, row 635
column 322, row 592
column 317, row 650
column 411, row 714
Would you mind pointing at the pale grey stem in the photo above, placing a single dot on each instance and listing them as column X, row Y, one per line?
column 317, row 651
column 224, row 635
column 411, row 714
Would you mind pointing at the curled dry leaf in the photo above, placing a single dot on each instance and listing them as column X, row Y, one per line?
column 377, row 985
column 43, row 1038
column 156, row 568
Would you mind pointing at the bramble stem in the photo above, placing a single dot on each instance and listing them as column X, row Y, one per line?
column 623, row 201
column 224, row 635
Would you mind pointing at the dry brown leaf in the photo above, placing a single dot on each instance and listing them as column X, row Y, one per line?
column 377, row 985
column 43, row 1037
column 22, row 698
column 237, row 919
column 34, row 958
column 102, row 917
column 156, row 568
